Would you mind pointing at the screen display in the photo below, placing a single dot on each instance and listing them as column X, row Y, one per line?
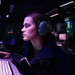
column 63, row 36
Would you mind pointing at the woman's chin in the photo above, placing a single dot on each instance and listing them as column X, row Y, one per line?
column 25, row 39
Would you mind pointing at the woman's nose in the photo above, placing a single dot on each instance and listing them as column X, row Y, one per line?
column 22, row 29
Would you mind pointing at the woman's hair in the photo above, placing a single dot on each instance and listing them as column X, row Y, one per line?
column 35, row 16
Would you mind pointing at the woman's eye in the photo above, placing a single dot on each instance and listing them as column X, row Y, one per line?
column 27, row 25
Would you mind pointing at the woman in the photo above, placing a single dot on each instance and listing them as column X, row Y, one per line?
column 44, row 56
column 40, row 47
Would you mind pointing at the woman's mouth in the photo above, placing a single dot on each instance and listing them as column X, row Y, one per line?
column 24, row 35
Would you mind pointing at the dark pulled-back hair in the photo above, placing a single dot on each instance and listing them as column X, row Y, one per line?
column 35, row 16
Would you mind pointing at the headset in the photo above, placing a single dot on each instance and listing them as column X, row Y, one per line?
column 43, row 26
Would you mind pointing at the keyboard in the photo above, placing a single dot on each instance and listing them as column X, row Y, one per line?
column 8, row 68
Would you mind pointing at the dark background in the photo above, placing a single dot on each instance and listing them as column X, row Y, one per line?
column 22, row 7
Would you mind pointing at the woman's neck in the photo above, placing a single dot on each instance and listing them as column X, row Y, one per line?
column 37, row 43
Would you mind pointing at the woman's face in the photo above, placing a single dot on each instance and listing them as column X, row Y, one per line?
column 29, row 29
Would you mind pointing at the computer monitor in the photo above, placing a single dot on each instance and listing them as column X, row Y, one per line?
column 62, row 36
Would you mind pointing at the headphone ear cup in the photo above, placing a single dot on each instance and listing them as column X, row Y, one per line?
column 43, row 28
